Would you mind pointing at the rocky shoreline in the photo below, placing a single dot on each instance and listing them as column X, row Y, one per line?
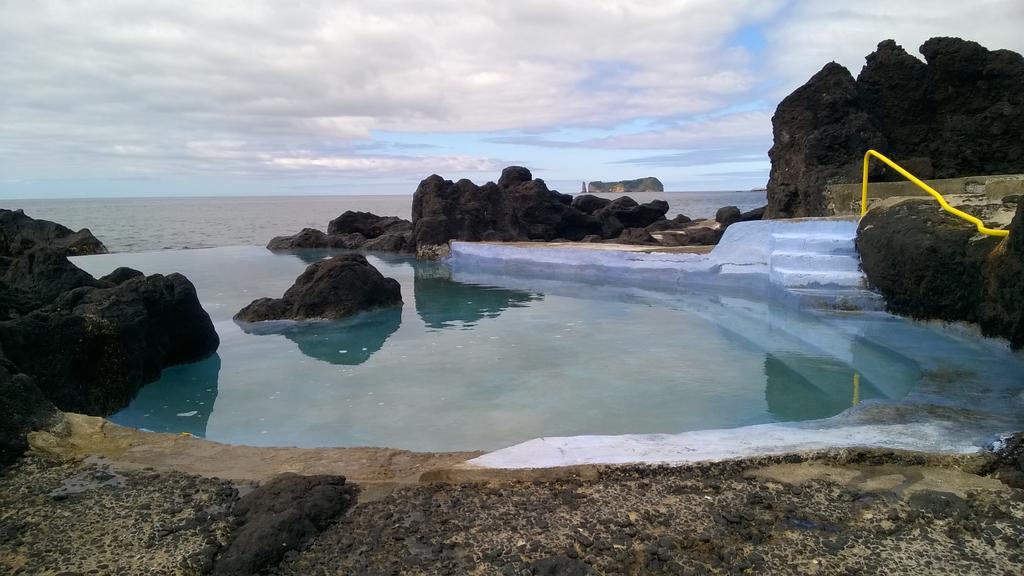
column 102, row 511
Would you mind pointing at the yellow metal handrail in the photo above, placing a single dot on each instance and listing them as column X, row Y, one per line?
column 942, row 201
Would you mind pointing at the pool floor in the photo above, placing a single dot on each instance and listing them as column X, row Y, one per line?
column 476, row 360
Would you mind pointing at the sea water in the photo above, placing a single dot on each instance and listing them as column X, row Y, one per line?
column 141, row 224
column 479, row 360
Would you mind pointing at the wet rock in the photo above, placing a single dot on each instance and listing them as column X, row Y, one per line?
column 280, row 516
column 329, row 289
column 727, row 215
column 20, row 233
column 95, row 346
column 958, row 114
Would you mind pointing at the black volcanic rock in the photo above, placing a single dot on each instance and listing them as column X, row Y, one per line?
column 727, row 215
column 94, row 347
column 352, row 231
column 624, row 212
column 20, row 233
column 932, row 265
column 635, row 236
column 1002, row 301
column 588, row 203
column 517, row 208
column 23, row 408
column 959, row 114
column 280, row 516
column 329, row 289
column 44, row 274
column 821, row 130
column 368, row 224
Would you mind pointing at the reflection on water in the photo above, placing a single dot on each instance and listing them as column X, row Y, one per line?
column 349, row 342
column 444, row 303
column 805, row 387
column 500, row 358
column 181, row 401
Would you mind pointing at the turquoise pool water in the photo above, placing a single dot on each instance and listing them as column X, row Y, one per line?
column 478, row 360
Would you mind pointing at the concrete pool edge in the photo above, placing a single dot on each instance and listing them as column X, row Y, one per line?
column 724, row 444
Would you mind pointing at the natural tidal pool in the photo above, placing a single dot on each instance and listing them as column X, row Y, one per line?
column 482, row 360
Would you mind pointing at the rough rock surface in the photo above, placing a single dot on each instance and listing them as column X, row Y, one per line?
column 959, row 114
column 930, row 264
column 329, row 289
column 518, row 208
column 368, row 224
column 712, row 519
column 23, row 408
column 280, row 516
column 352, row 231
column 67, row 517
column 95, row 346
column 20, row 233
column 1002, row 301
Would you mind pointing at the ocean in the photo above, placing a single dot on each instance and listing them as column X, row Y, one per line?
column 145, row 224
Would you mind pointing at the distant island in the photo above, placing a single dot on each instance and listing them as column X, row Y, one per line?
column 648, row 184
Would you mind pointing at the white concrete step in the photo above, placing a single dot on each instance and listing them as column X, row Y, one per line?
column 814, row 261
column 824, row 244
column 794, row 278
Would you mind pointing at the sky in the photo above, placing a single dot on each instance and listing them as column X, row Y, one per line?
column 111, row 98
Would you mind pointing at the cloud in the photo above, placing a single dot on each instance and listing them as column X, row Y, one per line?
column 114, row 79
column 810, row 34
column 110, row 88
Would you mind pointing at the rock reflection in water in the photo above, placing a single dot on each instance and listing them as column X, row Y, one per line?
column 444, row 303
column 348, row 342
column 180, row 401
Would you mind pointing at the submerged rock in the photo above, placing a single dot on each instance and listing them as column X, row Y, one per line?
column 959, row 114
column 20, row 233
column 280, row 516
column 330, row 289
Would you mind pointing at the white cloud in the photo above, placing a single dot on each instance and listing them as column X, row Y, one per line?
column 811, row 34
column 118, row 86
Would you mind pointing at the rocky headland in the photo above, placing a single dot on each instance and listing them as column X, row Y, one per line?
column 958, row 113
column 648, row 184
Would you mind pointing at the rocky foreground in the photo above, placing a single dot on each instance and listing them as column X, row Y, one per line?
column 844, row 512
